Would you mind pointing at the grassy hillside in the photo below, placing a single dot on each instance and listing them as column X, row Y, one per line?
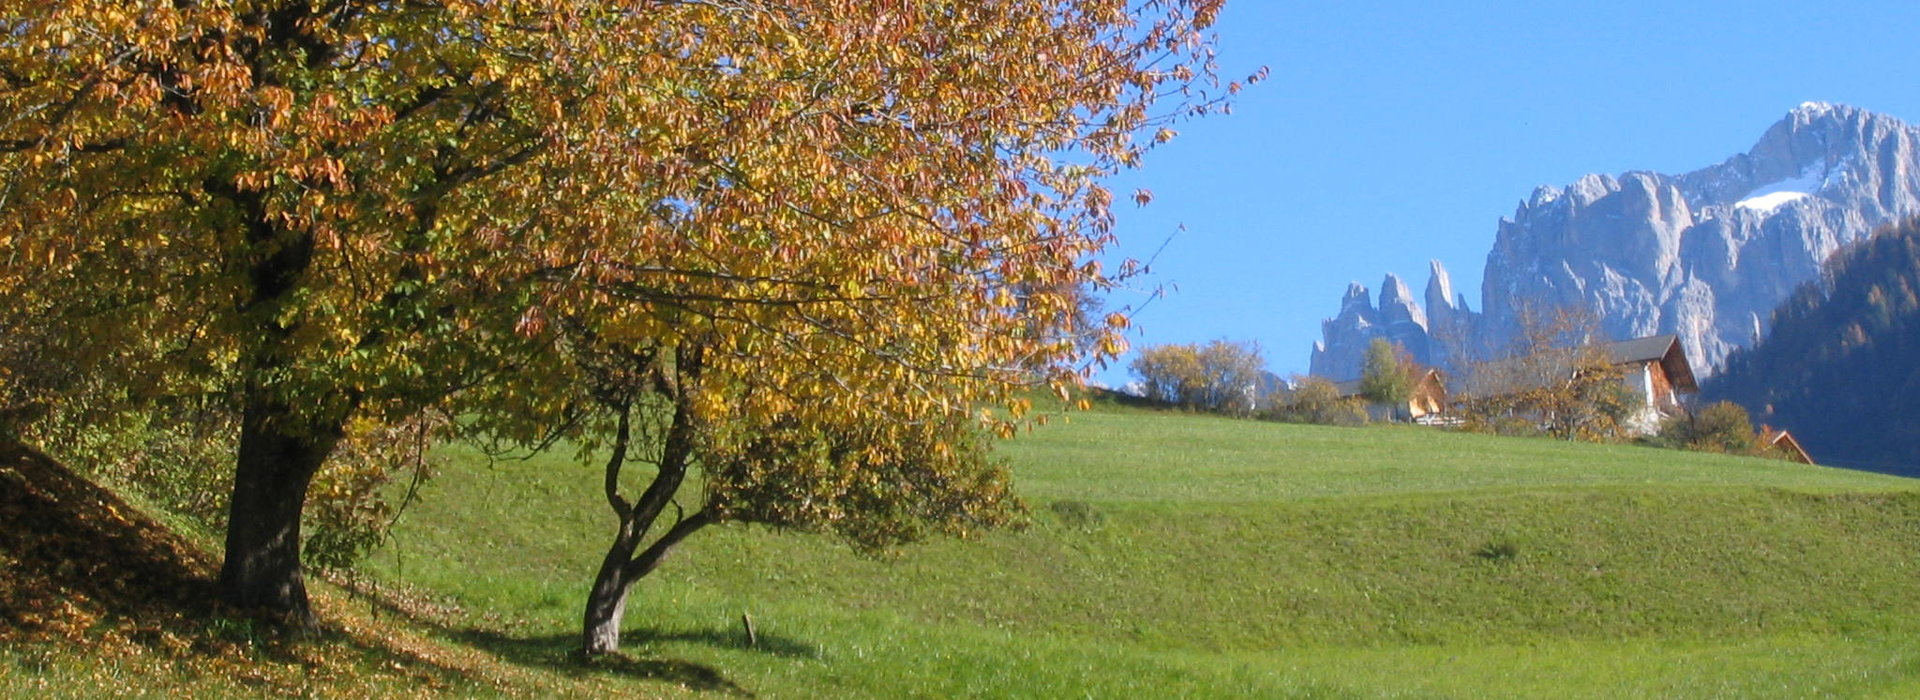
column 1183, row 556
column 1175, row 555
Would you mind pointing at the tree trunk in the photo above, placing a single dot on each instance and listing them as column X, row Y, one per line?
column 279, row 456
column 280, row 448
column 607, row 602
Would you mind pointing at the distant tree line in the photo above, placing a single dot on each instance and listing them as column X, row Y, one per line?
column 1228, row 377
column 1557, row 380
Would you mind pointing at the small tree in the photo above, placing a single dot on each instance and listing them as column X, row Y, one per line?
column 1558, row 379
column 1593, row 402
column 1166, row 371
column 874, row 480
column 1221, row 376
column 1722, row 426
column 1387, row 377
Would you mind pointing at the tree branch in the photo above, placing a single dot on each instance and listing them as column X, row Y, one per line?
column 648, row 560
column 621, row 438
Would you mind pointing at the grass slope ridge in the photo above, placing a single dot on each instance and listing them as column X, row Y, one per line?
column 98, row 599
column 1191, row 556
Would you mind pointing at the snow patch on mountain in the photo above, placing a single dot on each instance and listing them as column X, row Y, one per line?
column 1766, row 198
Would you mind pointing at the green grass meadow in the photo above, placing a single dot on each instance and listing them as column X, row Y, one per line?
column 1182, row 556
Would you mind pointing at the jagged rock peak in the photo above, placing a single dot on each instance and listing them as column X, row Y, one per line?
column 1816, row 107
column 1543, row 194
column 1808, row 111
column 1397, row 304
column 1357, row 297
column 1439, row 287
column 1394, row 291
column 1831, row 117
column 1591, row 187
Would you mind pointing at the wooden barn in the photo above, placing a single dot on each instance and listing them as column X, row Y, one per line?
column 1782, row 442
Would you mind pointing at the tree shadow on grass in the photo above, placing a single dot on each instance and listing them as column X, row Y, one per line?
column 562, row 653
column 772, row 645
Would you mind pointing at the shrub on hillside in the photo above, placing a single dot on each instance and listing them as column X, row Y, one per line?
column 1315, row 400
column 1722, row 426
column 1077, row 514
column 1476, row 419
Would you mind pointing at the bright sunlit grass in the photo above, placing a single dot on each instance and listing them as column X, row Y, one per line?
column 1181, row 556
column 1165, row 555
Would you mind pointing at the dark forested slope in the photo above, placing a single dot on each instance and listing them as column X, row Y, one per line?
column 1841, row 365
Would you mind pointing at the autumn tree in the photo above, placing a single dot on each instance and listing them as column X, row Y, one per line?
column 817, row 339
column 1721, row 426
column 873, row 483
column 1219, row 376
column 1558, row 379
column 1387, row 376
column 335, row 214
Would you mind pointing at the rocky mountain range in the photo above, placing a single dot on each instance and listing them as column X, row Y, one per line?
column 1706, row 255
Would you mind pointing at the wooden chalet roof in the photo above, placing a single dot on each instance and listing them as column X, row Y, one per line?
column 1515, row 373
column 1783, row 441
column 1664, row 349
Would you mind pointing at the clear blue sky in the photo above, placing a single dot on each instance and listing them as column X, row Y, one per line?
column 1391, row 133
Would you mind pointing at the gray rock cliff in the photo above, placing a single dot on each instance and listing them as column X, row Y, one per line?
column 1706, row 255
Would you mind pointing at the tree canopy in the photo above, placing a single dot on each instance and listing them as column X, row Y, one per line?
column 315, row 213
column 1558, row 380
column 1220, row 376
column 1387, row 377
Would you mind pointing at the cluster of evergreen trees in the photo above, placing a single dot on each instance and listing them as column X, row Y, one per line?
column 1841, row 364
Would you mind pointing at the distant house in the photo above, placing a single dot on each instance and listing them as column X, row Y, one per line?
column 1425, row 405
column 1654, row 368
column 1782, row 441
column 1658, row 372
